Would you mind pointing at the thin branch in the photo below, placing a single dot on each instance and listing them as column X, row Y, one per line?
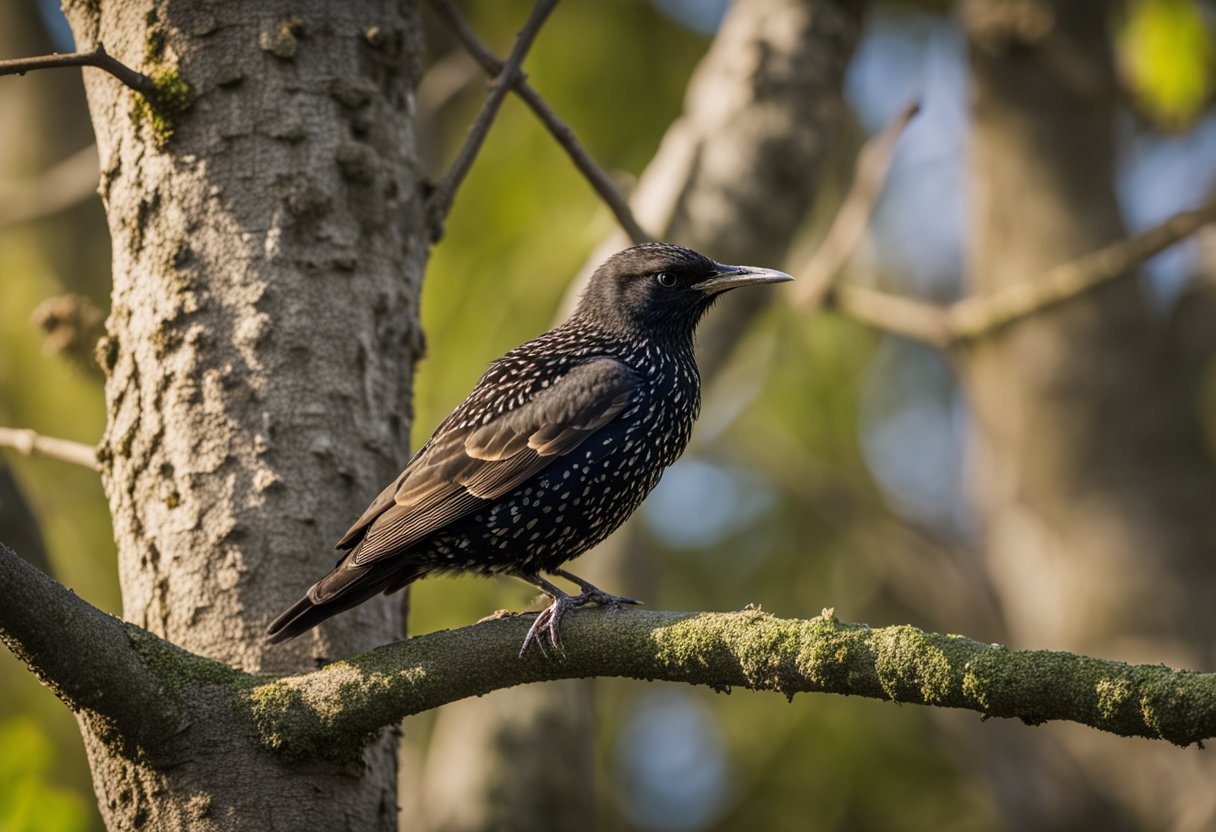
column 98, row 58
column 849, row 226
column 91, row 660
column 596, row 175
column 973, row 317
column 329, row 713
column 32, row 444
column 896, row 314
column 440, row 202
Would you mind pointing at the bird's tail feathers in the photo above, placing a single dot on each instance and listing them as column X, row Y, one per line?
column 337, row 592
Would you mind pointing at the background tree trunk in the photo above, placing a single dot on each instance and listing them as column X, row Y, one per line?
column 1088, row 458
column 267, row 262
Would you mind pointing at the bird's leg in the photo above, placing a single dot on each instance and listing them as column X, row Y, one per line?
column 592, row 594
column 549, row 619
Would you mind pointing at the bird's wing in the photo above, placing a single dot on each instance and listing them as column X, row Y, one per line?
column 463, row 469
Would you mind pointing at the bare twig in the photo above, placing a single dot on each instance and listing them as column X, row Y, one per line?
column 32, row 444
column 596, row 175
column 98, row 57
column 68, row 183
column 895, row 314
column 849, row 226
column 440, row 201
column 973, row 317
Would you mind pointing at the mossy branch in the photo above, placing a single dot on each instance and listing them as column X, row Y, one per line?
column 331, row 712
column 144, row 687
column 90, row 659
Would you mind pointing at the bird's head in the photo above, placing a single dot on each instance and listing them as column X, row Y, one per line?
column 658, row 288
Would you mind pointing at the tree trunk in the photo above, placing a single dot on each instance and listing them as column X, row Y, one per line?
column 1093, row 478
column 267, row 258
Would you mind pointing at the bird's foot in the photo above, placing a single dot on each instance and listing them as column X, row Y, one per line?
column 547, row 624
column 592, row 594
column 548, row 620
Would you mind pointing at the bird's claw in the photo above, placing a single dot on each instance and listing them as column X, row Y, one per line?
column 603, row 599
column 547, row 623
column 548, row 620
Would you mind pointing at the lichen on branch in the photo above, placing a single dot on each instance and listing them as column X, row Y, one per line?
column 330, row 713
column 86, row 656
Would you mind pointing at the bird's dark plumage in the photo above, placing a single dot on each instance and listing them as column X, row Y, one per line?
column 556, row 446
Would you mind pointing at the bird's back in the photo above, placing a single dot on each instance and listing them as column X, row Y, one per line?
column 581, row 496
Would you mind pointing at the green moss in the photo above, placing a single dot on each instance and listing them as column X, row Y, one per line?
column 173, row 500
column 154, row 45
column 333, row 714
column 303, row 731
column 173, row 97
column 910, row 667
column 177, row 669
column 825, row 657
column 1113, row 694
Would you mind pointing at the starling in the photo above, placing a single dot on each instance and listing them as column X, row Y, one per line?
column 559, row 442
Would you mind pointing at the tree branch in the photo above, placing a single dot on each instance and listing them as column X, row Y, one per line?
column 974, row 317
column 140, row 685
column 850, row 223
column 32, row 444
column 592, row 172
column 971, row 317
column 98, row 58
column 896, row 314
column 91, row 660
column 329, row 713
column 440, row 201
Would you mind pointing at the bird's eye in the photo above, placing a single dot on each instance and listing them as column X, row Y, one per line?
column 666, row 279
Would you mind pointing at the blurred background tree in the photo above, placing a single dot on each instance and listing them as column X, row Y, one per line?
column 831, row 465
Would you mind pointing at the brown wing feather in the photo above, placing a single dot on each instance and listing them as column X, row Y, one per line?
column 463, row 469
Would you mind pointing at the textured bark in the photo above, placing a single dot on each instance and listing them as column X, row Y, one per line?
column 1094, row 482
column 734, row 177
column 267, row 259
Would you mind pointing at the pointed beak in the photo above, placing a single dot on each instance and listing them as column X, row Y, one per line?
column 732, row 277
